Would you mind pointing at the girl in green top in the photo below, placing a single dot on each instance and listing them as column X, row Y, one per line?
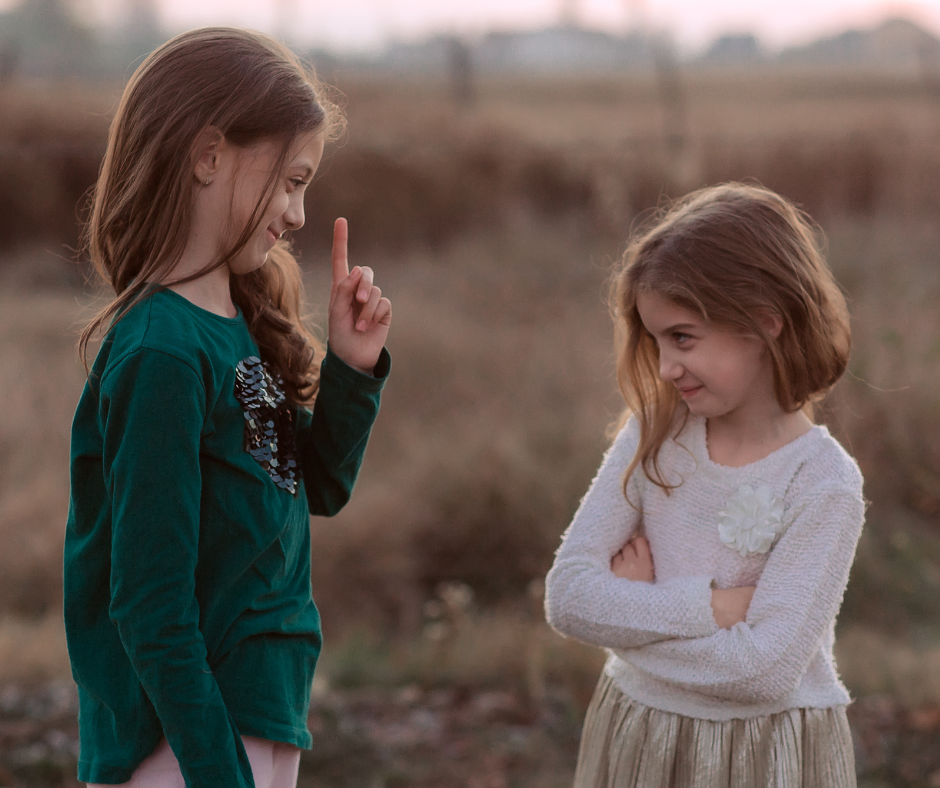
column 212, row 423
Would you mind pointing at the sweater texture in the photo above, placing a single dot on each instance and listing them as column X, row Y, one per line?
column 666, row 651
column 188, row 606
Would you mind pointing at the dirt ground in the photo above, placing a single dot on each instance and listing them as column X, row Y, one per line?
column 450, row 737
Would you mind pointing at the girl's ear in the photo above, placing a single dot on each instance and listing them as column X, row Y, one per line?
column 771, row 322
column 210, row 146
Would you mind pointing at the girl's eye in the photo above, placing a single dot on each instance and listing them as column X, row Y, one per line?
column 680, row 337
column 298, row 182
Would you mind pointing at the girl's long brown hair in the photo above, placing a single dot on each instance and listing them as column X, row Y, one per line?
column 249, row 88
column 730, row 253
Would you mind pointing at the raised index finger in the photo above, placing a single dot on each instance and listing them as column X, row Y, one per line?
column 340, row 255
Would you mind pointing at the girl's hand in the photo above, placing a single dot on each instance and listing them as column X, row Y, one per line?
column 634, row 561
column 359, row 316
column 729, row 605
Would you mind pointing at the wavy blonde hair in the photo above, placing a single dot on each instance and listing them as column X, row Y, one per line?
column 729, row 253
column 251, row 89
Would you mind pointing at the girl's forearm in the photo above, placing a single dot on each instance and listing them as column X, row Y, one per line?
column 586, row 601
column 331, row 442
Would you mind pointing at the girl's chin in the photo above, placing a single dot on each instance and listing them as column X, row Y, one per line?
column 698, row 407
column 242, row 267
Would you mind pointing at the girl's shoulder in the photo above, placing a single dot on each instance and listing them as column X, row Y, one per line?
column 171, row 321
column 169, row 330
column 627, row 438
column 825, row 465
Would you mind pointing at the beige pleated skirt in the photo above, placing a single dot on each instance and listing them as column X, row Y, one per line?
column 628, row 745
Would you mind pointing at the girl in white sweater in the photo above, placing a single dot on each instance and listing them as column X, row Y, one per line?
column 711, row 553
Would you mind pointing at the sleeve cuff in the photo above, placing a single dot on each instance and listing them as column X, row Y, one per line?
column 335, row 366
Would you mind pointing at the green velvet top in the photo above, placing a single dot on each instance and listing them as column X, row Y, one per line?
column 188, row 608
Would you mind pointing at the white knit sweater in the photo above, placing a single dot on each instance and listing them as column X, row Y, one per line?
column 666, row 651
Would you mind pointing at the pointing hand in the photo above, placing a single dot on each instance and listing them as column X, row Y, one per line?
column 359, row 316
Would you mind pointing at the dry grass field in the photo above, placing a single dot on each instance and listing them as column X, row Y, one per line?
column 493, row 228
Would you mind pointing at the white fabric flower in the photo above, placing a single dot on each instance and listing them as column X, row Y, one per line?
column 751, row 520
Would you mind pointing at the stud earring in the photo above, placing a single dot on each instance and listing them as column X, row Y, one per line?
column 206, row 183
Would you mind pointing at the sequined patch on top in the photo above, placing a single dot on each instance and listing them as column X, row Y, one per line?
column 269, row 429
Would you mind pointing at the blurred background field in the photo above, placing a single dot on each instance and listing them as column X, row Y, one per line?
column 492, row 207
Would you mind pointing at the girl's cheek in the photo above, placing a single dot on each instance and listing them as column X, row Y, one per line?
column 282, row 203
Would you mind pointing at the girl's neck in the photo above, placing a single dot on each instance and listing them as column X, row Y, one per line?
column 210, row 291
column 740, row 439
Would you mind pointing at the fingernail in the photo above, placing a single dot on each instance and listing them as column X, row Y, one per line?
column 361, row 325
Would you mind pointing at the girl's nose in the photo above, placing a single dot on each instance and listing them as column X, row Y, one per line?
column 669, row 368
column 294, row 216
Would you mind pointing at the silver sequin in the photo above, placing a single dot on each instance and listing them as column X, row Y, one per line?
column 269, row 429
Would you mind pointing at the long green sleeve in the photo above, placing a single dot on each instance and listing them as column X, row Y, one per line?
column 152, row 411
column 333, row 439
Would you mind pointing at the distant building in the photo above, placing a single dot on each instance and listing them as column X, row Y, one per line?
column 897, row 43
column 734, row 50
column 562, row 49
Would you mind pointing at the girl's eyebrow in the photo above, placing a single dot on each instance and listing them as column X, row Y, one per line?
column 678, row 327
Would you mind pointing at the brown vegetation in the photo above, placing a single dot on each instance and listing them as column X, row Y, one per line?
column 492, row 229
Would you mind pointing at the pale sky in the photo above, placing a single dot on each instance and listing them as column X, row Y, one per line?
column 366, row 24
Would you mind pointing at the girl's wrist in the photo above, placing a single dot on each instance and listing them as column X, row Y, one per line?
column 362, row 370
column 377, row 371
